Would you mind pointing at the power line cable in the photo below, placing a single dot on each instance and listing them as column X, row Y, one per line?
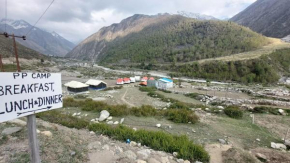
column 40, row 18
column 5, row 14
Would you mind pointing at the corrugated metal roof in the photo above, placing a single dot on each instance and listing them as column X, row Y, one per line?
column 75, row 84
column 94, row 82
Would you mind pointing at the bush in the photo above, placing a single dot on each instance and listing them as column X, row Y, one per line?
column 147, row 89
column 54, row 116
column 113, row 88
column 165, row 91
column 156, row 140
column 263, row 109
column 181, row 116
column 233, row 112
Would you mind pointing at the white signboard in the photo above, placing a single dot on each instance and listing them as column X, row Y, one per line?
column 22, row 94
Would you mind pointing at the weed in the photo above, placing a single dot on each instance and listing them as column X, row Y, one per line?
column 3, row 139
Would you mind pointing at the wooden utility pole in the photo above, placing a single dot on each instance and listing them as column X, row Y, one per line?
column 31, row 119
column 1, row 64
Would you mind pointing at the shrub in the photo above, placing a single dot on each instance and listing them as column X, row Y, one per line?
column 165, row 91
column 147, row 89
column 113, row 88
column 233, row 112
column 144, row 110
column 181, row 116
column 54, row 116
column 3, row 139
column 156, row 140
column 192, row 95
column 263, row 109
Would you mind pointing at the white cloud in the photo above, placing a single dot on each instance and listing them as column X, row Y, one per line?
column 77, row 19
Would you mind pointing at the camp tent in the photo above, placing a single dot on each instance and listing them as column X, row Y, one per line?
column 96, row 84
column 144, row 79
column 127, row 81
column 137, row 78
column 151, row 83
column 120, row 81
column 132, row 79
column 143, row 83
column 164, row 83
column 76, row 87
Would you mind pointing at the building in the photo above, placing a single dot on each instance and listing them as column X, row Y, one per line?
column 96, row 84
column 144, row 79
column 137, row 78
column 151, row 82
column 120, row 81
column 164, row 83
column 132, row 79
column 127, row 81
column 76, row 87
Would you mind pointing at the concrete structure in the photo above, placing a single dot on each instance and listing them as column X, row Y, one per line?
column 164, row 83
column 76, row 87
column 96, row 84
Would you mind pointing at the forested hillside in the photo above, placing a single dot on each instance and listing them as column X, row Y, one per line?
column 182, row 39
column 266, row 69
column 166, row 38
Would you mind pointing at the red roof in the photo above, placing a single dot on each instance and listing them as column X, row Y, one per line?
column 126, row 79
column 119, row 80
column 151, row 78
column 145, row 78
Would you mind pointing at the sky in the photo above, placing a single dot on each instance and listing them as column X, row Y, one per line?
column 75, row 20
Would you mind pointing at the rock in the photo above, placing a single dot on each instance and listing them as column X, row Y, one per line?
column 169, row 127
column 158, row 125
column 74, row 114
column 110, row 118
column 119, row 150
column 197, row 162
column 86, row 115
column 193, row 131
column 208, row 114
column 92, row 133
column 18, row 122
column 180, row 160
column 175, row 154
column 115, row 123
column 287, row 143
column 278, row 146
column 110, row 122
column 37, row 131
column 144, row 154
column 122, row 120
column 128, row 154
column 73, row 153
column 135, row 129
column 222, row 141
column 139, row 144
column 186, row 161
column 258, row 139
column 104, row 115
column 152, row 160
column 93, row 120
column 164, row 159
column 94, row 145
column 11, row 130
column 46, row 133
column 141, row 161
column 220, row 107
column 281, row 111
column 261, row 157
column 106, row 147
column 206, row 109
column 133, row 144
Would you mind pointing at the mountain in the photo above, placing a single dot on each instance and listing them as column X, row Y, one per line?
column 268, row 17
column 7, row 49
column 38, row 39
column 165, row 38
column 196, row 15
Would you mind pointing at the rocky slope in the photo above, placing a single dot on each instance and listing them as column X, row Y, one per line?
column 165, row 38
column 38, row 39
column 269, row 17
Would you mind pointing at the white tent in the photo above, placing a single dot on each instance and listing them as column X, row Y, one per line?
column 75, row 86
column 96, row 84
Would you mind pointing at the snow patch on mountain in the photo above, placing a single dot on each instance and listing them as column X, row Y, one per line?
column 196, row 15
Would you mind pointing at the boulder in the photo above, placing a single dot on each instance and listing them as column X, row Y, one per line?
column 222, row 141
column 261, row 157
column 110, row 118
column 122, row 120
column 110, row 122
column 133, row 144
column 144, row 154
column 186, row 161
column 128, row 154
column 175, row 154
column 141, row 161
column 115, row 123
column 11, row 130
column 104, row 115
column 220, row 107
column 158, row 125
column 258, row 139
column 164, row 159
column 278, row 146
column 152, row 160
column 46, row 133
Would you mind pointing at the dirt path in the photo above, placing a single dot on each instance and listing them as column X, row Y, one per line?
column 124, row 100
column 215, row 152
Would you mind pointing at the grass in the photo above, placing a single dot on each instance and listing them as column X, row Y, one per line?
column 156, row 140
column 3, row 139
column 269, row 110
column 21, row 158
column 112, row 88
column 178, row 112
